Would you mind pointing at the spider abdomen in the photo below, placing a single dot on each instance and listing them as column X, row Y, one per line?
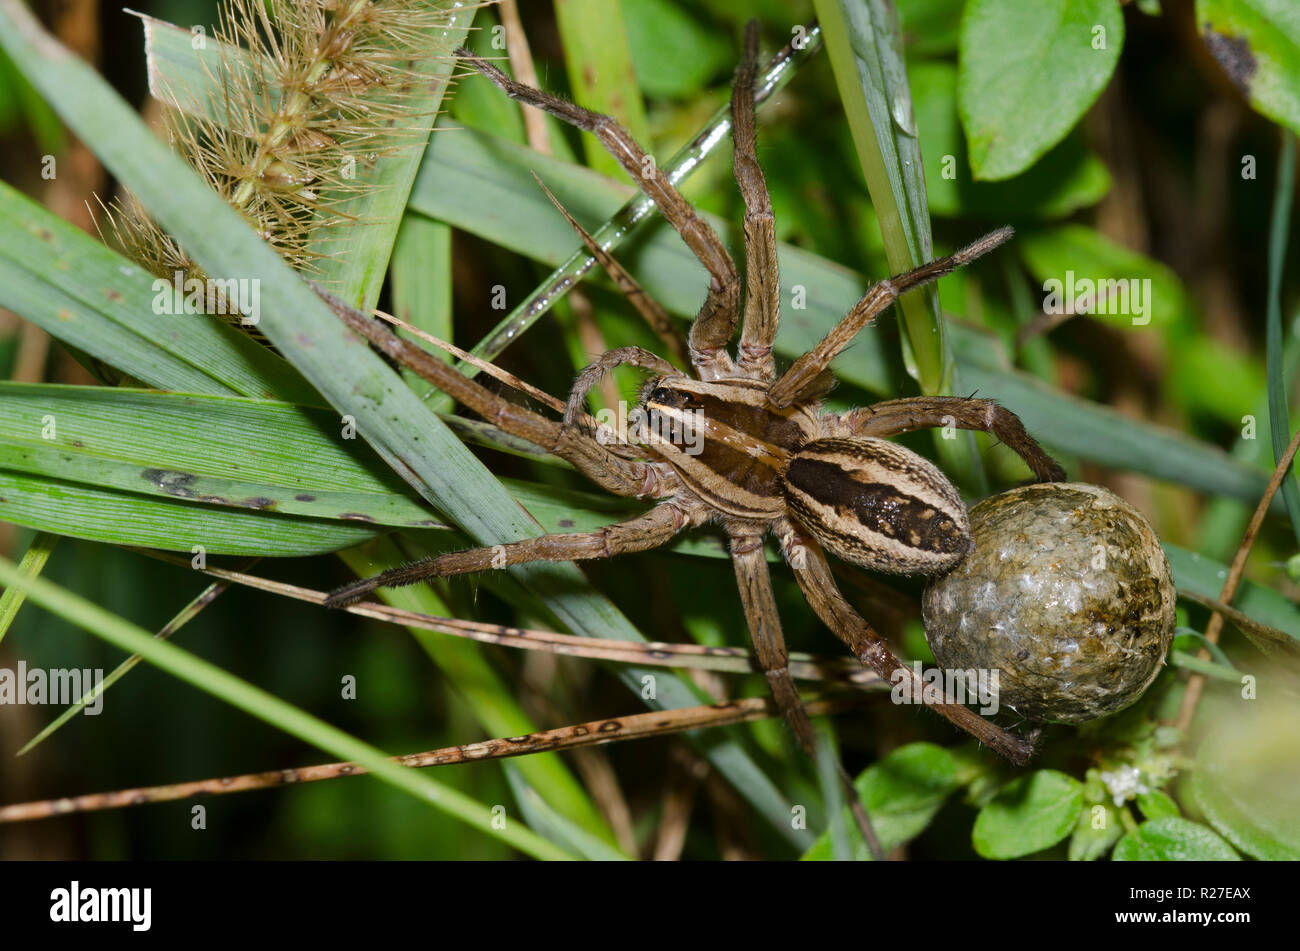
column 879, row 505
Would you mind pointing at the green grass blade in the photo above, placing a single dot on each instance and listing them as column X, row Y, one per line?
column 1208, row 668
column 87, row 295
column 1215, row 650
column 179, row 620
column 270, row 709
column 1097, row 432
column 421, row 280
column 1279, row 419
column 866, row 53
column 355, row 259
column 120, row 518
column 1204, row 576
column 862, row 42
column 32, row 564
column 252, row 454
column 556, row 827
column 598, row 61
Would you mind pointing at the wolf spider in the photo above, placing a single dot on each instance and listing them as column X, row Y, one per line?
column 770, row 460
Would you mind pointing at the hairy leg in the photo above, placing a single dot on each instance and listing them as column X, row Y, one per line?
column 755, row 584
column 646, row 531
column 874, row 302
column 626, row 477
column 716, row 321
column 762, row 283
column 932, row 412
column 593, row 373
column 646, row 306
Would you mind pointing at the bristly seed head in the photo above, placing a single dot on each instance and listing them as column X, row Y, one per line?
column 303, row 103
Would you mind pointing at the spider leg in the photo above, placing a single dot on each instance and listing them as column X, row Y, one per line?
column 818, row 585
column 646, row 306
column 649, row 530
column 755, row 583
column 923, row 412
column 593, row 373
column 762, row 283
column 874, row 302
column 625, row 477
column 716, row 321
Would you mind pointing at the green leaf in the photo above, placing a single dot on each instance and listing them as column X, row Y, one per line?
column 902, row 793
column 1028, row 73
column 1173, row 839
column 1279, row 416
column 674, row 54
column 120, row 518
column 1157, row 805
column 558, row 828
column 33, row 563
column 1095, row 834
column 1209, row 668
column 421, row 276
column 1093, row 431
column 230, row 451
column 866, row 54
column 1067, row 178
column 1028, row 815
column 1144, row 293
column 354, row 260
column 1247, row 778
column 1257, row 43
column 1238, row 379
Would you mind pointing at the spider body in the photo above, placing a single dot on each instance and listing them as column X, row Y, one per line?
column 866, row 500
column 738, row 443
column 726, row 443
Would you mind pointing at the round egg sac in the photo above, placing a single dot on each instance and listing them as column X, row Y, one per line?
column 1067, row 595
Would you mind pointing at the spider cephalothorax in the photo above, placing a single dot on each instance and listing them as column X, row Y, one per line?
column 736, row 442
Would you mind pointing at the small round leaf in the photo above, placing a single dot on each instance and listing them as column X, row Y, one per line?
column 1173, row 839
column 1028, row 815
column 1028, row 73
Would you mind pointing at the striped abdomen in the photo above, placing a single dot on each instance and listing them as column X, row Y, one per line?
column 879, row 505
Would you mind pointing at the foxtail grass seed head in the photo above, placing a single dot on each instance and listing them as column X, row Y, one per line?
column 299, row 104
